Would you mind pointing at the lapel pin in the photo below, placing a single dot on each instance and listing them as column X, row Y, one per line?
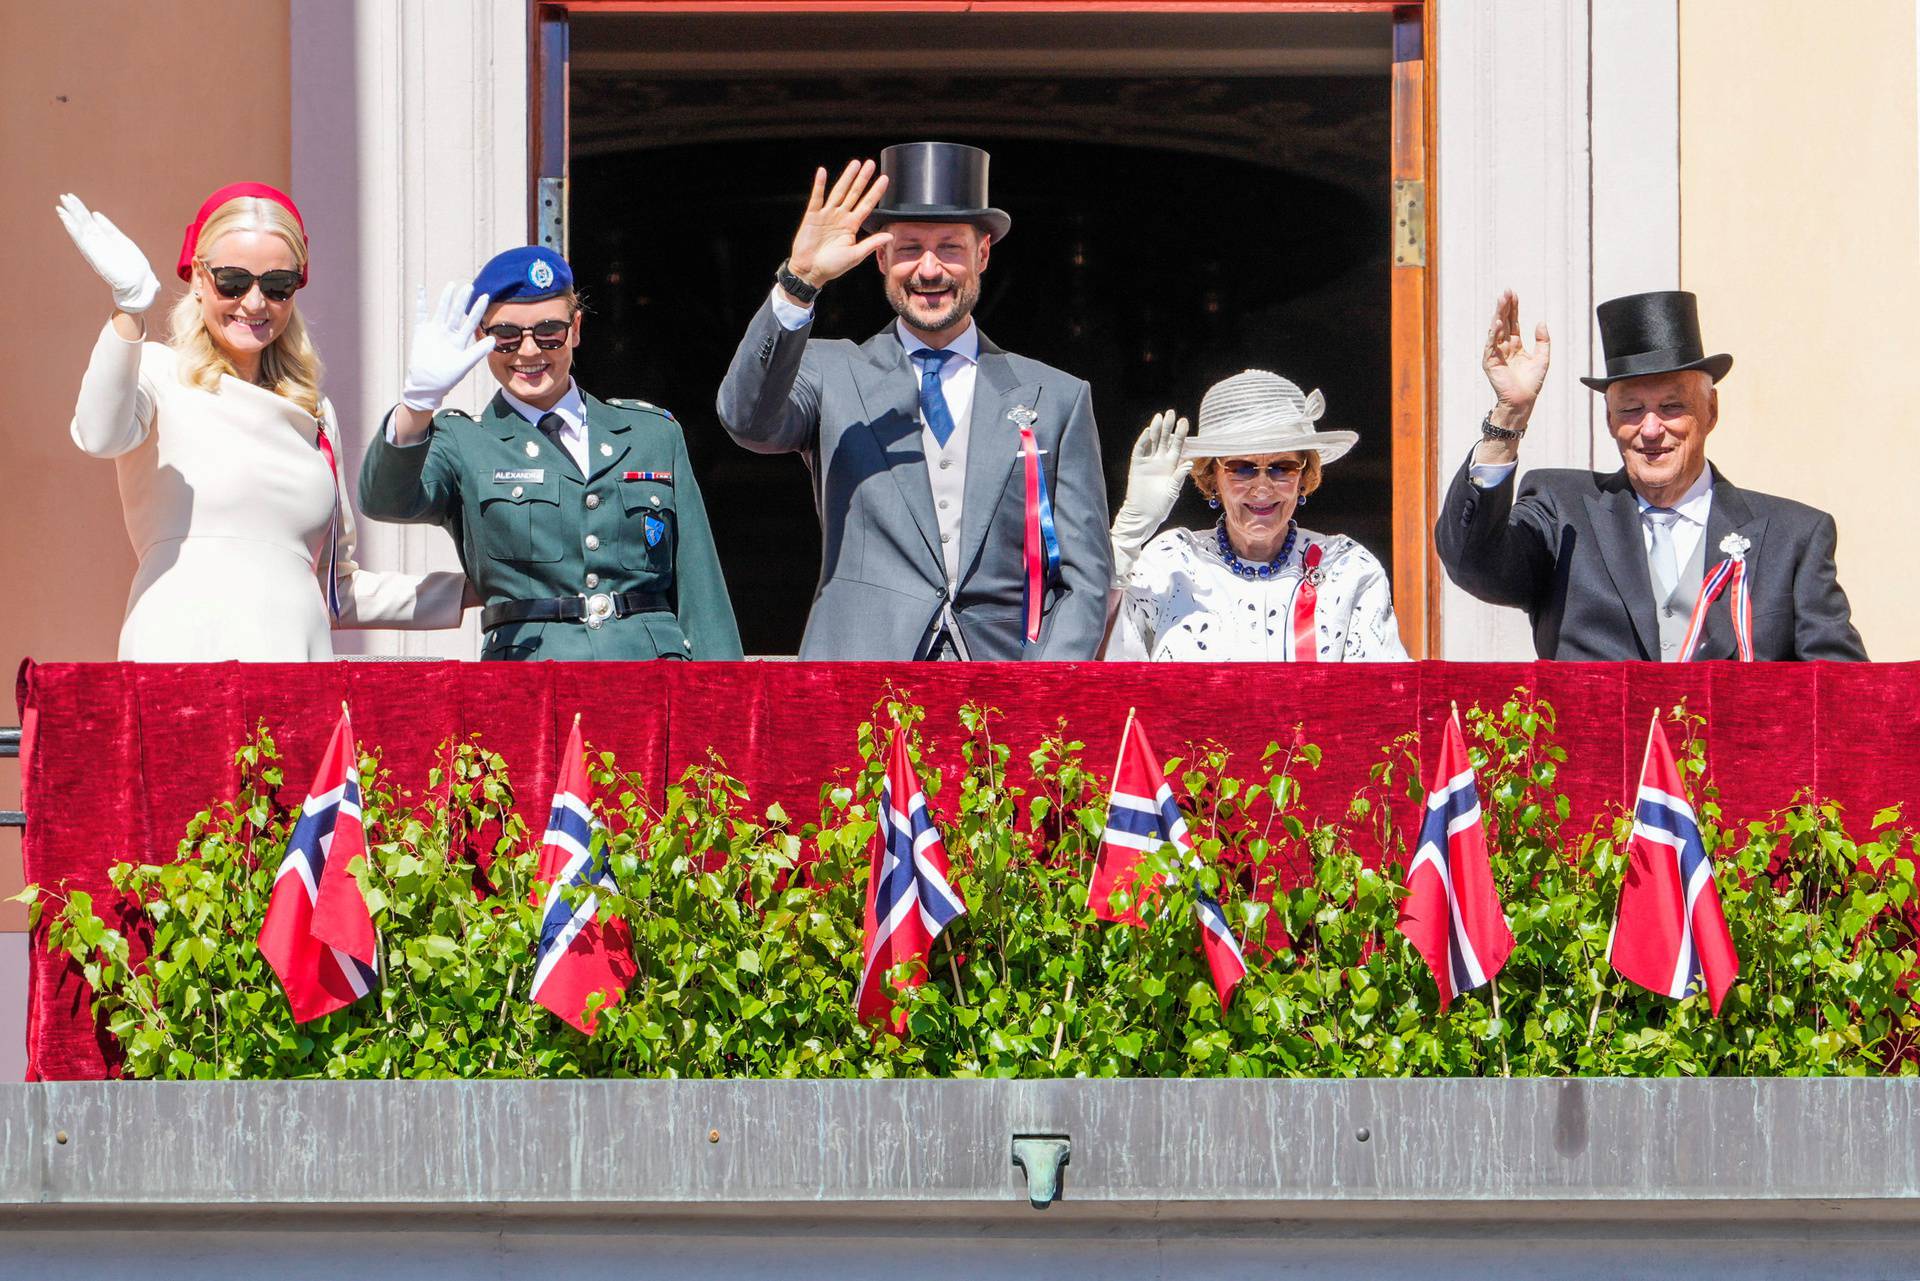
column 533, row 450
column 606, row 450
column 1736, row 546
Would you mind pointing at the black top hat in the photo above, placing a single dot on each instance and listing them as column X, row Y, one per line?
column 1656, row 333
column 937, row 182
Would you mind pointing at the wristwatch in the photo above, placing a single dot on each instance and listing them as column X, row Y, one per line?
column 1489, row 432
column 797, row 289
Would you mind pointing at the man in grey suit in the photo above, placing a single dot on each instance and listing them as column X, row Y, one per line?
column 1637, row 564
column 935, row 454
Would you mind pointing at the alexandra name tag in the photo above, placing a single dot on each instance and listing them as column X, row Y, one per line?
column 519, row 475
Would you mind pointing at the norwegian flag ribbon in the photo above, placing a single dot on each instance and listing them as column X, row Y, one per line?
column 333, row 525
column 1733, row 569
column 1452, row 913
column 1306, row 603
column 577, row 955
column 318, row 934
column 1669, row 934
column 1142, row 816
column 909, row 899
column 1042, row 543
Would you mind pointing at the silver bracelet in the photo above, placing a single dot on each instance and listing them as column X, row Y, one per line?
column 1489, row 432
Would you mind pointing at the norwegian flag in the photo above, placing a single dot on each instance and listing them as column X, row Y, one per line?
column 1142, row 816
column 909, row 901
column 578, row 955
column 318, row 935
column 1670, row 933
column 1452, row 913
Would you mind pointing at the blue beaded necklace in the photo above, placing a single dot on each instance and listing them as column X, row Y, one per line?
column 1241, row 568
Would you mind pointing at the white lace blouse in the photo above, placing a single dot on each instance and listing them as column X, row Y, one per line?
column 1181, row 603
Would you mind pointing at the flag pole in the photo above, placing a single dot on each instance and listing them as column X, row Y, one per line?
column 1493, row 987
column 1060, row 1024
column 953, row 968
column 1600, row 996
column 1119, row 759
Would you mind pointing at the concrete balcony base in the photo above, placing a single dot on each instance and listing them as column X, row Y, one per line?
column 1174, row 1179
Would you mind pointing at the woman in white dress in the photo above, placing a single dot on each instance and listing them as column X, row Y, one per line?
column 1256, row 587
column 227, row 453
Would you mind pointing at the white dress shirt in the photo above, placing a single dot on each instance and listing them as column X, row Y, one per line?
column 1690, row 523
column 573, row 412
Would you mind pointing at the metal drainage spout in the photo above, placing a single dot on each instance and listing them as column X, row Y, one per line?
column 1043, row 1157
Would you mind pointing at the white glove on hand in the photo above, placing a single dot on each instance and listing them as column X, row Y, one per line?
column 1154, row 478
column 115, row 258
column 444, row 350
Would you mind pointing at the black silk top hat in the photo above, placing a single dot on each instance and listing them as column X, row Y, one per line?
column 937, row 182
column 1656, row 333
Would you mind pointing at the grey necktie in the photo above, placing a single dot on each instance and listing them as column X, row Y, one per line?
column 1665, row 567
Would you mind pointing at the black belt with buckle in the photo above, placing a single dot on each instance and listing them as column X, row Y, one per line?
column 592, row 610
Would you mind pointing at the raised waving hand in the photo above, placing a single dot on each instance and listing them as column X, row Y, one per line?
column 1516, row 373
column 828, row 244
column 112, row 255
column 444, row 350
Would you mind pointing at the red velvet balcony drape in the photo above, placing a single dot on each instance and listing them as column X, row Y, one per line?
column 124, row 754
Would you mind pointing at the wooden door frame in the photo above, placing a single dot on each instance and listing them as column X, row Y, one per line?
column 1414, row 344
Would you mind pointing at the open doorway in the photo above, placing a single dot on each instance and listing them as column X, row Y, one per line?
column 1191, row 195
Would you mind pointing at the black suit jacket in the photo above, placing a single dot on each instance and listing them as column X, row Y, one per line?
column 1568, row 550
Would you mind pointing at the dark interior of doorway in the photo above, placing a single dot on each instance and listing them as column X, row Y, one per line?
column 1150, row 270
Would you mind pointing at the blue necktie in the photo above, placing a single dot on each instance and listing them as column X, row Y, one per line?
column 933, row 401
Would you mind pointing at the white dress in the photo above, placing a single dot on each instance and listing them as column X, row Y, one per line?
column 228, row 501
column 1181, row 603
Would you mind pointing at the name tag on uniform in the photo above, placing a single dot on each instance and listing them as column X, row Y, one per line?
column 664, row 477
column 519, row 475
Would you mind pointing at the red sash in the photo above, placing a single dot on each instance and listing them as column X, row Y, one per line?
column 1306, row 648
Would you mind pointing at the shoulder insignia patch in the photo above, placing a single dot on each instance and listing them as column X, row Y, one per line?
column 455, row 413
column 628, row 403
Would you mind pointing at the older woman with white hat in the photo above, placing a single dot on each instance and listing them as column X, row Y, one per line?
column 1256, row 587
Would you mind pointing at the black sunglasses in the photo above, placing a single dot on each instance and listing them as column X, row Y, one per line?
column 548, row 335
column 238, row 282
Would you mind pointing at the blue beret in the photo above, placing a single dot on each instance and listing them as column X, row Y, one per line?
column 526, row 274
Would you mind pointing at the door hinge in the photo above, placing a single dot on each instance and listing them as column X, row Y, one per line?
column 1409, row 222
column 552, row 214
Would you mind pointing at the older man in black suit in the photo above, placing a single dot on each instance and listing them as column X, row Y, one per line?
column 1612, row 566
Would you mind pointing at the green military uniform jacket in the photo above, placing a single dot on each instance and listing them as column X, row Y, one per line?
column 530, row 526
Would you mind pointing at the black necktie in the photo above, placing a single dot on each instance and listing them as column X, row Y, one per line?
column 554, row 426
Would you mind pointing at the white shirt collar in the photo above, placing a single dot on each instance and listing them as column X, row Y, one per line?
column 1694, row 504
column 572, row 409
column 966, row 346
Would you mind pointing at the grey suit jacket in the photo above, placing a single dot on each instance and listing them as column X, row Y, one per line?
column 1569, row 551
column 852, row 410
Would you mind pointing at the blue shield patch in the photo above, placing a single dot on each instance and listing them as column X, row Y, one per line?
column 656, row 530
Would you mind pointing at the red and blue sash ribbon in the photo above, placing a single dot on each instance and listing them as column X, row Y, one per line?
column 1306, row 602
column 1733, row 569
column 1042, row 543
column 333, row 525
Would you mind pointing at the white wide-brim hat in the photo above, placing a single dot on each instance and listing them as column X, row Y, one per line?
column 1255, row 412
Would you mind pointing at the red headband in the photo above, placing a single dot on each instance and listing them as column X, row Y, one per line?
column 234, row 192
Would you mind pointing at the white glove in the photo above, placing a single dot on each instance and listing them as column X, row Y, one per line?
column 1154, row 478
column 115, row 258
column 444, row 350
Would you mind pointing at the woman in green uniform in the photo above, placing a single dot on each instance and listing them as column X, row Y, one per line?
column 578, row 520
